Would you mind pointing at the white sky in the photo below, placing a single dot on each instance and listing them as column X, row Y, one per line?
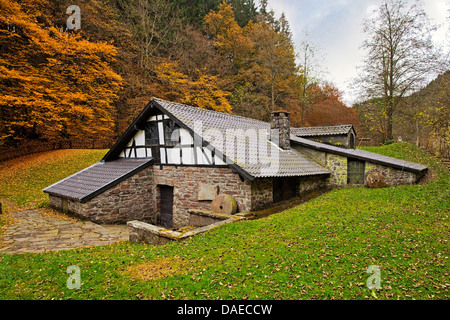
column 335, row 26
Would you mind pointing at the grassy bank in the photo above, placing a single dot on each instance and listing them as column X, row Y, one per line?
column 22, row 179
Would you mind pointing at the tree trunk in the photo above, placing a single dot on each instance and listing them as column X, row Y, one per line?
column 417, row 134
column 389, row 113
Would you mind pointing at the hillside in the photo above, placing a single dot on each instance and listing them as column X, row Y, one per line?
column 423, row 118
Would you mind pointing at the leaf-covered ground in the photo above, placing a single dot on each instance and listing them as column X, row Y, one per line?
column 22, row 179
column 318, row 250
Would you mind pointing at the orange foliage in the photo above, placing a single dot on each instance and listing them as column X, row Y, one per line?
column 201, row 92
column 52, row 84
column 328, row 109
column 228, row 36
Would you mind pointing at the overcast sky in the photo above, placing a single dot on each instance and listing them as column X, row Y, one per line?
column 335, row 27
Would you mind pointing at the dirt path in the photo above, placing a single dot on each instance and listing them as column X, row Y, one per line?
column 35, row 231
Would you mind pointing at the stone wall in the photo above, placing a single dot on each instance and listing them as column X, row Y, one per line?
column 312, row 183
column 393, row 176
column 317, row 156
column 341, row 140
column 131, row 199
column 185, row 181
column 138, row 197
column 337, row 165
column 262, row 193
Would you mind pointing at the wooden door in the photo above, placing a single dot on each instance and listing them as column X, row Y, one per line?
column 285, row 188
column 355, row 171
column 166, row 206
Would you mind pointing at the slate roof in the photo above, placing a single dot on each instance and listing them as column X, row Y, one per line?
column 321, row 131
column 267, row 160
column 97, row 178
column 361, row 155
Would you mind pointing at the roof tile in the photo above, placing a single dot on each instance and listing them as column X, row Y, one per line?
column 321, row 131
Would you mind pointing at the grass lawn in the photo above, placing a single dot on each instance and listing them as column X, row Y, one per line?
column 22, row 179
column 320, row 249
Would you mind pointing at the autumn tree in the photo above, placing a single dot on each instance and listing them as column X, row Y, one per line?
column 328, row 108
column 263, row 57
column 154, row 24
column 274, row 52
column 196, row 53
column 400, row 56
column 434, row 115
column 228, row 36
column 200, row 91
column 425, row 117
column 52, row 84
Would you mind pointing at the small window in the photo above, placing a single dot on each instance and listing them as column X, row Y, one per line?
column 352, row 141
column 65, row 206
column 171, row 133
column 151, row 134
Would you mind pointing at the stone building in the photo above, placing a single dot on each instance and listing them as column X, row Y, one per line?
column 174, row 157
column 343, row 136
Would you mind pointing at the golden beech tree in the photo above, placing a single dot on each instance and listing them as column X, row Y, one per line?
column 201, row 92
column 52, row 84
column 228, row 36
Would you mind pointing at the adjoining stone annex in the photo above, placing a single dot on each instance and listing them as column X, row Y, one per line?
column 174, row 158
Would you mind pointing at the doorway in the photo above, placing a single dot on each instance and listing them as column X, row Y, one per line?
column 285, row 188
column 166, row 206
column 355, row 171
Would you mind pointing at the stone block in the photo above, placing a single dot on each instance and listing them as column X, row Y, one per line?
column 375, row 179
column 207, row 191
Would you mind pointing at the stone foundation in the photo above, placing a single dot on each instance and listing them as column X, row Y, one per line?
column 262, row 193
column 186, row 180
column 138, row 197
column 131, row 199
column 312, row 183
column 393, row 176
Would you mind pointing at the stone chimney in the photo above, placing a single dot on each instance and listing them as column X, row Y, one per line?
column 280, row 129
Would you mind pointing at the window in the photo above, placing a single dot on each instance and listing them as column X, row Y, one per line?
column 151, row 134
column 352, row 141
column 171, row 133
column 65, row 206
